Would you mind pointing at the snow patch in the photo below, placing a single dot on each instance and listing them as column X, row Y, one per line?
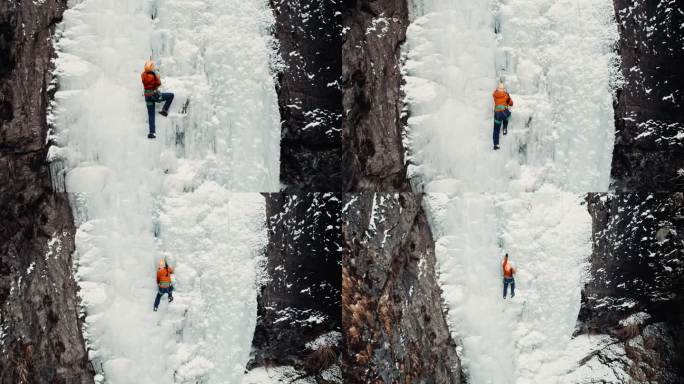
column 330, row 339
column 635, row 319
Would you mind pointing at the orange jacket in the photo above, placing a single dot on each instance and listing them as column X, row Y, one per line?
column 508, row 269
column 164, row 277
column 151, row 82
column 502, row 100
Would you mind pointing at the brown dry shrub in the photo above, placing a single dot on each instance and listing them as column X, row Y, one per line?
column 347, row 285
column 628, row 332
column 321, row 358
column 362, row 358
column 354, row 336
column 385, row 315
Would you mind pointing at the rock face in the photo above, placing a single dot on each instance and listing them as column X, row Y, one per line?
column 394, row 327
column 373, row 100
column 392, row 313
column 309, row 33
column 340, row 95
column 636, row 287
column 648, row 154
column 301, row 299
column 40, row 329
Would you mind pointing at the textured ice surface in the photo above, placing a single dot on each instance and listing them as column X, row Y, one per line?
column 558, row 63
column 212, row 238
column 136, row 200
column 559, row 68
column 219, row 53
column 547, row 236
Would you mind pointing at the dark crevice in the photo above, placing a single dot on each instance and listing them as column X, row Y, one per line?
column 647, row 155
column 309, row 102
column 304, row 281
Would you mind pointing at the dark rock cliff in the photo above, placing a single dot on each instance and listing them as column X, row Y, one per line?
column 649, row 118
column 373, row 100
column 301, row 299
column 637, row 267
column 394, row 326
column 339, row 92
column 392, row 314
column 309, row 33
column 40, row 335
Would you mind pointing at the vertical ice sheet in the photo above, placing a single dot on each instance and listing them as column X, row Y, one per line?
column 450, row 50
column 214, row 239
column 559, row 66
column 558, row 62
column 218, row 54
column 520, row 340
column 136, row 200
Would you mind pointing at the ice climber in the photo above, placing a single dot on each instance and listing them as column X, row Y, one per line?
column 151, row 83
column 508, row 272
column 502, row 103
column 164, row 282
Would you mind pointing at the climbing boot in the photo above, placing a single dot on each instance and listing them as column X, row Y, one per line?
column 151, row 136
column 164, row 113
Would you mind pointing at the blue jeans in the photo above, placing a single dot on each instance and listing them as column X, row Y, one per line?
column 506, row 282
column 151, row 101
column 500, row 118
column 161, row 293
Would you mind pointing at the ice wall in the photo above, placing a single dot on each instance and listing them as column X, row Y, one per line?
column 136, row 200
column 559, row 66
column 217, row 55
column 557, row 61
column 519, row 340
